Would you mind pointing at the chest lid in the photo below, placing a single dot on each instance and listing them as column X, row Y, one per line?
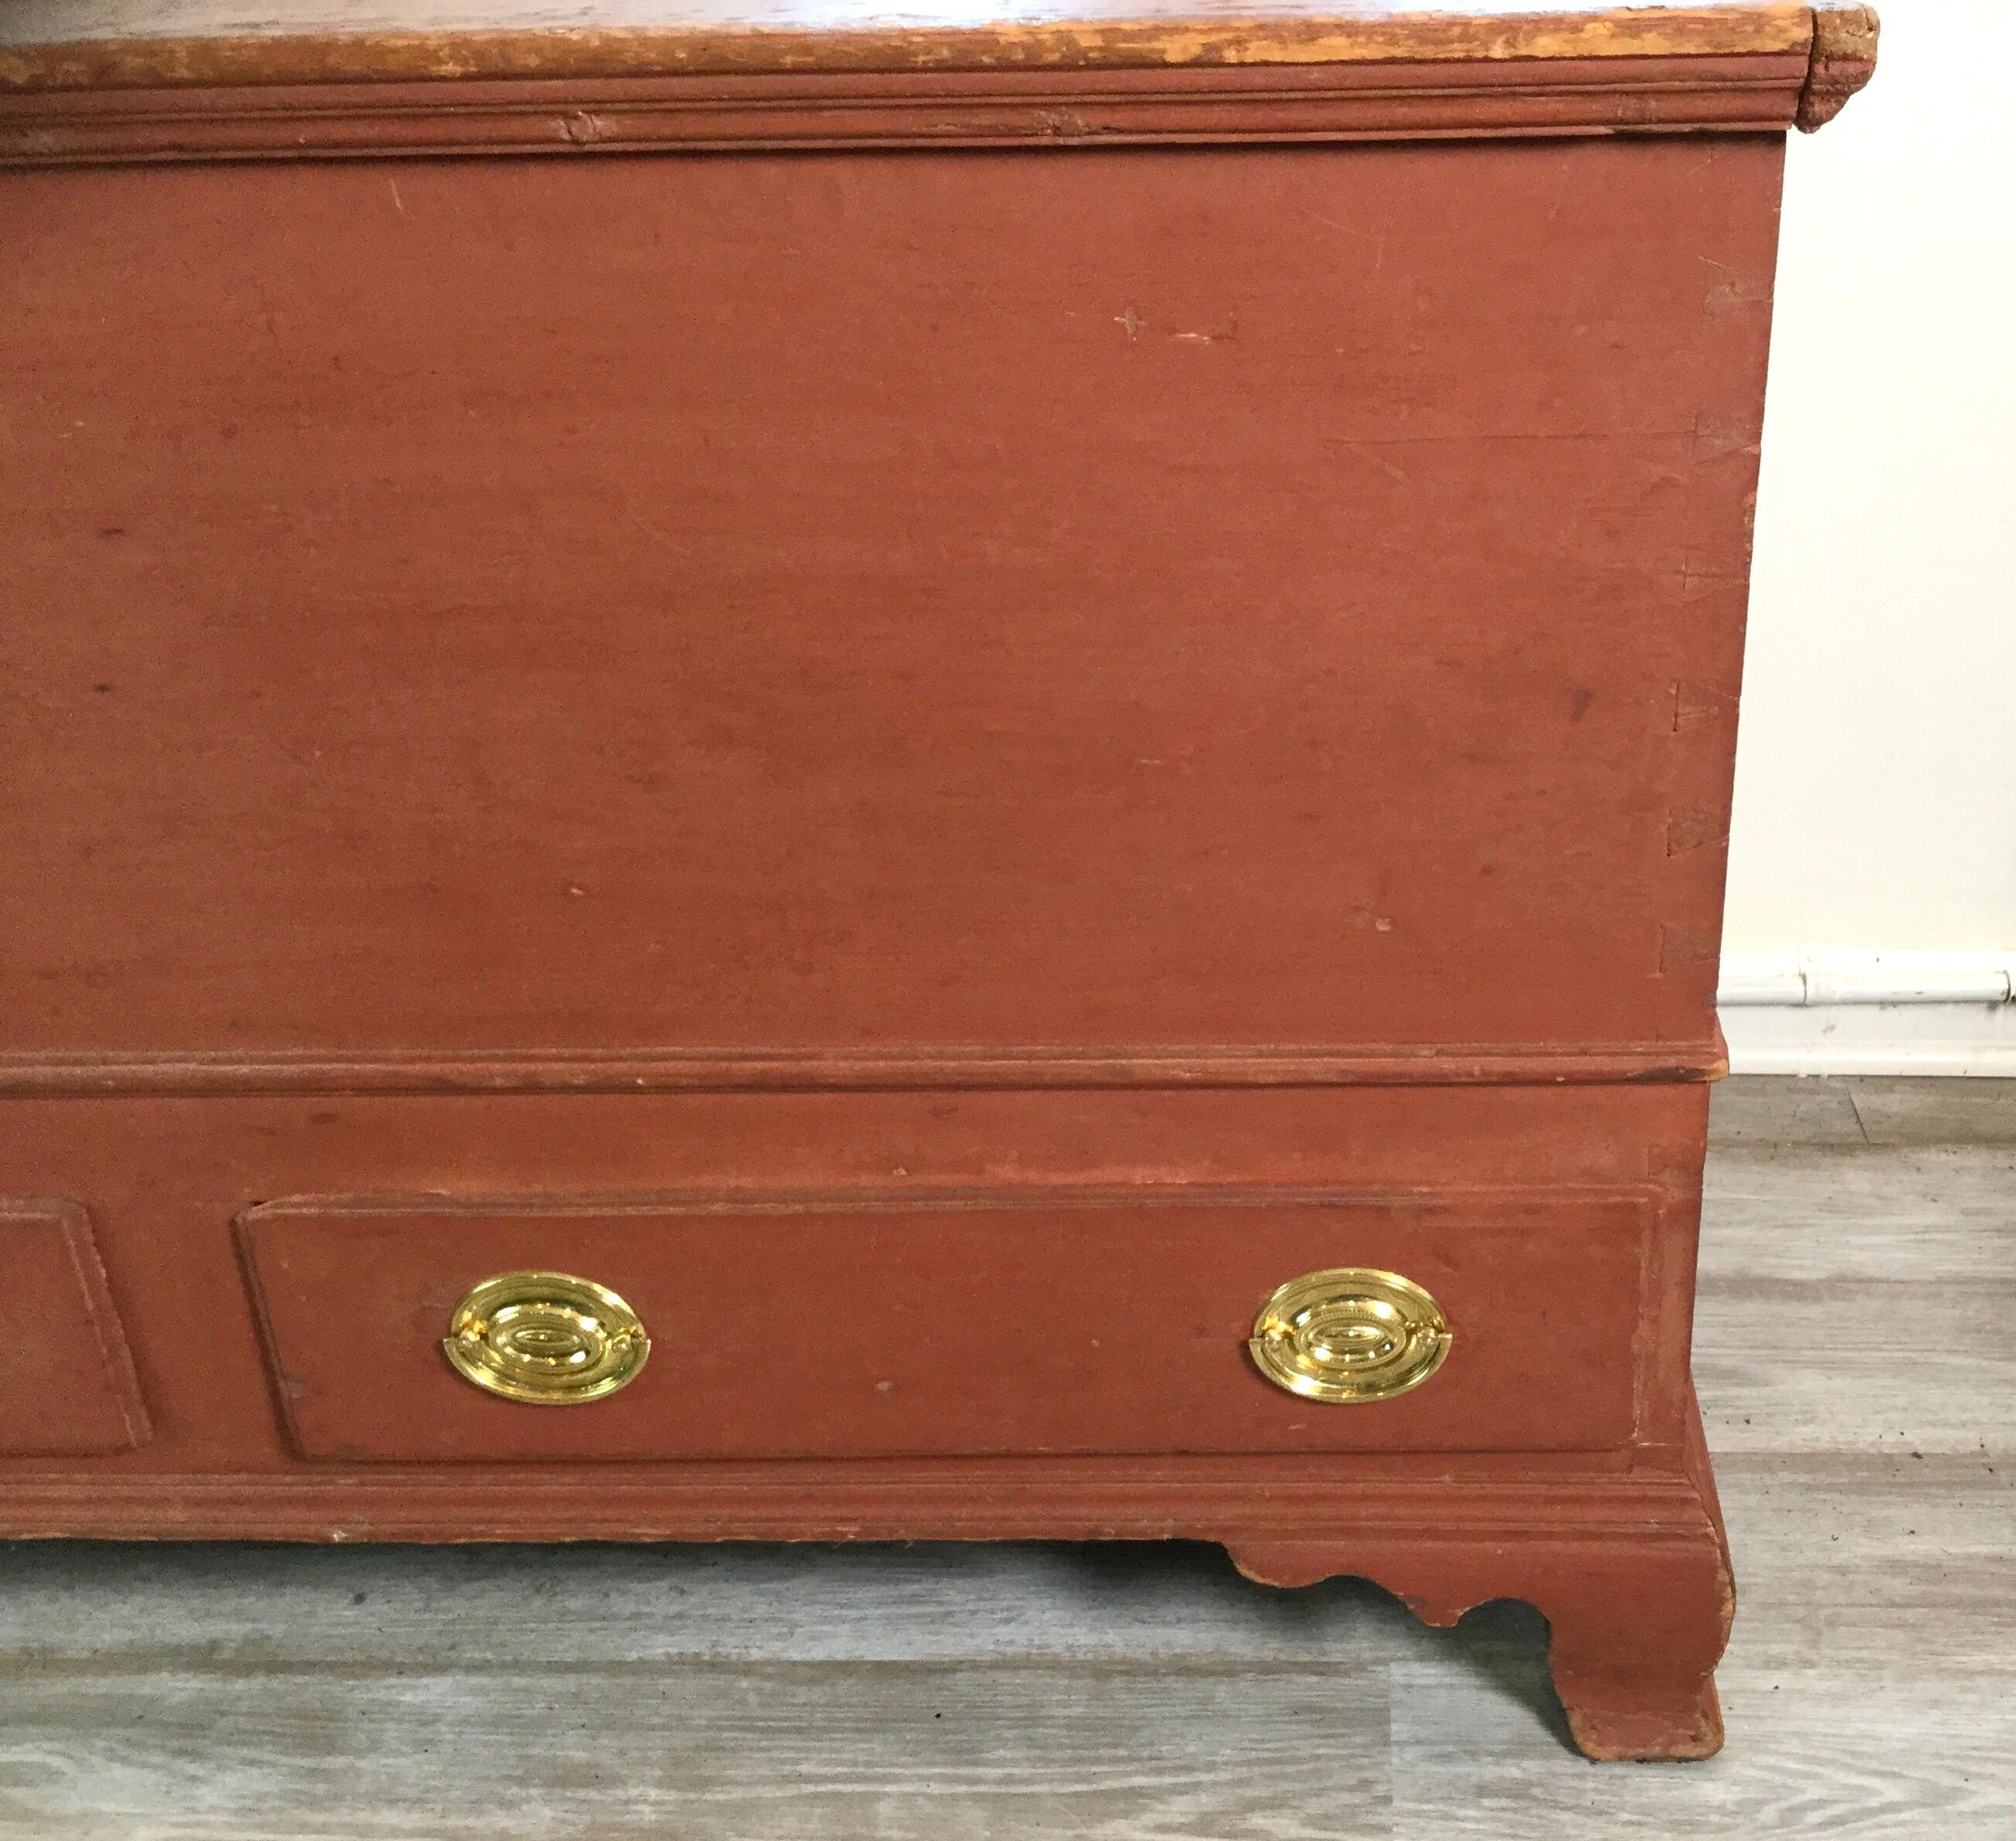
column 153, row 79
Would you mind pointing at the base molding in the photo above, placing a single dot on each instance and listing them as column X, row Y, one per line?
column 1635, row 1626
column 1278, row 1505
column 1637, row 1616
column 1627, row 1565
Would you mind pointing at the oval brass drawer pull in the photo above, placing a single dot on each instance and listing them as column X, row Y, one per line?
column 546, row 1337
column 1349, row 1335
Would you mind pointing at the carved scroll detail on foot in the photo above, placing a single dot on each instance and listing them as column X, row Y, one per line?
column 1636, row 1621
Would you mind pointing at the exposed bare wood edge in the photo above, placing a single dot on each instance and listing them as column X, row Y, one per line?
column 1244, row 1503
column 1284, row 37
column 1056, row 108
column 27, row 1075
column 1844, row 58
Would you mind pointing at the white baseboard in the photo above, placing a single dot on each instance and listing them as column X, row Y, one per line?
column 1832, row 1011
column 1976, row 1039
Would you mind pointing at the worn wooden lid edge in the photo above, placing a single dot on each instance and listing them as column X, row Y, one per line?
column 1841, row 59
column 1841, row 39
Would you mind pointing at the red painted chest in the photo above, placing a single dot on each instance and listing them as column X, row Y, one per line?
column 775, row 777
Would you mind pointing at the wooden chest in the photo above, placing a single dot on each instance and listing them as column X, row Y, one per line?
column 772, row 775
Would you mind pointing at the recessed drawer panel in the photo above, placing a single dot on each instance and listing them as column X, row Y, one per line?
column 861, row 1326
column 67, row 1383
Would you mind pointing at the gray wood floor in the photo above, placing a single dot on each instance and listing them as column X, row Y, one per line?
column 1863, row 1233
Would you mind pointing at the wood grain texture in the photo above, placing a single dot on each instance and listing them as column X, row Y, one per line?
column 1766, row 1110
column 1844, row 58
column 85, row 43
column 257, row 1694
column 1867, row 1109
column 83, row 83
column 1933, row 1112
column 791, row 1752
column 1934, row 1273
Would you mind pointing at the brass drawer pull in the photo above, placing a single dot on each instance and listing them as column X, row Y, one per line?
column 546, row 1337
column 1349, row 1335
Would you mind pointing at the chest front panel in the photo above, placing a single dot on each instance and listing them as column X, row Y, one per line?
column 1123, row 600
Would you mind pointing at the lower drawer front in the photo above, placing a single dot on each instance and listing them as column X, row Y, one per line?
column 882, row 1326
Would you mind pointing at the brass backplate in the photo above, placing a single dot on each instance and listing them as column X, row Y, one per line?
column 1350, row 1335
column 546, row 1337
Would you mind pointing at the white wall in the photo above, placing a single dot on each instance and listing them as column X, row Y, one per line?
column 1876, row 778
